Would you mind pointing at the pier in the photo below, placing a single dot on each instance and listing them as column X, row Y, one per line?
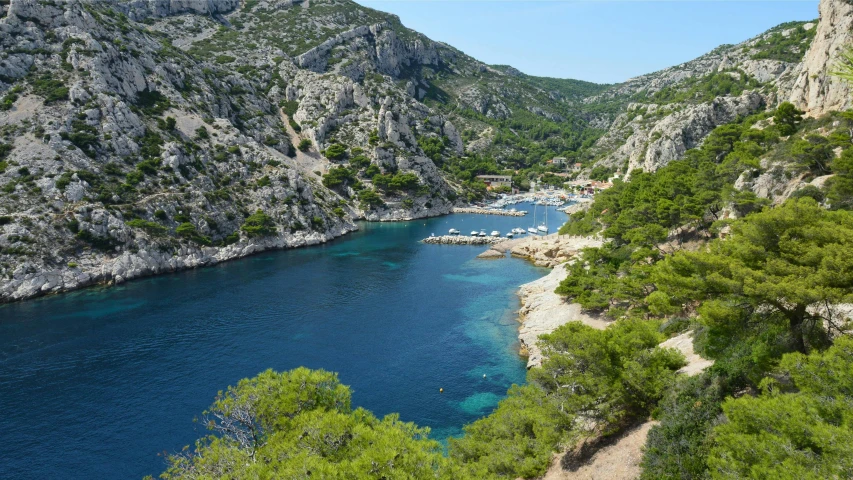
column 462, row 240
column 486, row 211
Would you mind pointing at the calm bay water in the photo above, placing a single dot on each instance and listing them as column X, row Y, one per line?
column 93, row 384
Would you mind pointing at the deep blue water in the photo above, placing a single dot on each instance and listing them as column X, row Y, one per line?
column 93, row 384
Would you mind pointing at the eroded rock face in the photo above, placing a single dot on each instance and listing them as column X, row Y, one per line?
column 141, row 9
column 816, row 91
column 655, row 144
column 103, row 185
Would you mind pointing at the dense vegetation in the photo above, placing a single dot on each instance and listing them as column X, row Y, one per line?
column 787, row 43
column 300, row 423
column 762, row 298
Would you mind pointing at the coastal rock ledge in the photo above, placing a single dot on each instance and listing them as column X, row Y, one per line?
column 29, row 281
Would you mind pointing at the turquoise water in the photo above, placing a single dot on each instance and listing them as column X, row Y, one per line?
column 94, row 384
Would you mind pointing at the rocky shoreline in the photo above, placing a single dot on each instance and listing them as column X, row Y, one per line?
column 543, row 311
column 543, row 251
column 95, row 269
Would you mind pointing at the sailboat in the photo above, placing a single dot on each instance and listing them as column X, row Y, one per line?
column 533, row 228
column 544, row 227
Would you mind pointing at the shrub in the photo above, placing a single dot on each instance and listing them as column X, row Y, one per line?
column 336, row 151
column 340, row 176
column 150, row 227
column 51, row 89
column 134, row 177
column 433, row 147
column 359, row 161
column 5, row 150
column 369, row 199
column 149, row 166
column 100, row 243
column 289, row 107
column 152, row 102
column 83, row 136
column 678, row 447
column 201, row 133
column 264, row 181
column 304, row 145
column 399, row 181
column 258, row 224
column 188, row 230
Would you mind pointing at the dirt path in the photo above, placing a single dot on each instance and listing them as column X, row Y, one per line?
column 618, row 461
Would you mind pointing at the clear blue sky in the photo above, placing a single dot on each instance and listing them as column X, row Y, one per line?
column 595, row 40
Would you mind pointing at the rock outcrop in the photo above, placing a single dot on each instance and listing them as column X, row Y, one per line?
column 655, row 144
column 546, row 251
column 816, row 90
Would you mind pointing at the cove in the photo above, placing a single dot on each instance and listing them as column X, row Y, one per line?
column 96, row 383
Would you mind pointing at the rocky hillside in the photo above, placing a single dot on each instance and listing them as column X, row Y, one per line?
column 143, row 136
column 672, row 111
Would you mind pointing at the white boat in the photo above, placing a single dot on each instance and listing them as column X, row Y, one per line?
column 533, row 228
column 474, row 233
column 509, row 235
column 482, row 233
column 496, row 233
column 453, row 231
column 544, row 226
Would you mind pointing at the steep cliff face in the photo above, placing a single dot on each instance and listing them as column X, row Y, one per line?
column 816, row 91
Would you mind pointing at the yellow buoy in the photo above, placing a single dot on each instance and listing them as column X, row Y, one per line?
column 440, row 390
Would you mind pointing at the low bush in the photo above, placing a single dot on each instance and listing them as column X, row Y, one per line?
column 150, row 227
column 258, row 224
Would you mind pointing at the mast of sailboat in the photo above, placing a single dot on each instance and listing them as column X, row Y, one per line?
column 534, row 212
